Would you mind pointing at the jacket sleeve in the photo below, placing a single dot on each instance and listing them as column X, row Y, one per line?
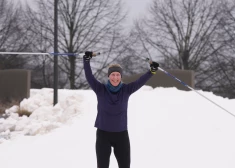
column 134, row 86
column 92, row 81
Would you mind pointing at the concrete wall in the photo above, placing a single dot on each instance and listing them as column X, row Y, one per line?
column 162, row 80
column 14, row 84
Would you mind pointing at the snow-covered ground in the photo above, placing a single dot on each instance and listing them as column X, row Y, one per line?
column 167, row 127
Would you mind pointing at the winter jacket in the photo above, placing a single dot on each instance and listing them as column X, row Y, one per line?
column 112, row 107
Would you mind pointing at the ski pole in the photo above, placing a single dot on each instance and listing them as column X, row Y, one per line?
column 51, row 53
column 38, row 53
column 167, row 73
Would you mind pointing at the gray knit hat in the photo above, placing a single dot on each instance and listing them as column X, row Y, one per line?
column 114, row 68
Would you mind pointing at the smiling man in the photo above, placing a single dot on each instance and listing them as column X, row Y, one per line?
column 111, row 119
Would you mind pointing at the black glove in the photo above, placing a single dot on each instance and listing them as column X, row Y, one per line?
column 88, row 55
column 154, row 67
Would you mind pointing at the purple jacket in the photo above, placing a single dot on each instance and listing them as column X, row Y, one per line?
column 112, row 107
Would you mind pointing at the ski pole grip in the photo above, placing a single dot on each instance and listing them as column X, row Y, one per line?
column 95, row 54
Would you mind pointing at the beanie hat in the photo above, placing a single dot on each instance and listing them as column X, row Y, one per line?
column 115, row 68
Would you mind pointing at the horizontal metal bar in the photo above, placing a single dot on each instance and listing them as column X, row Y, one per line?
column 24, row 53
column 31, row 53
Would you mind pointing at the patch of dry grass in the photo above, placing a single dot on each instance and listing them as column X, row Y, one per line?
column 6, row 104
column 24, row 112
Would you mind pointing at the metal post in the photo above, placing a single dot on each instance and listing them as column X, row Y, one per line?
column 55, row 51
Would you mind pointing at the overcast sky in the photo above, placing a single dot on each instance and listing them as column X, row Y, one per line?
column 137, row 7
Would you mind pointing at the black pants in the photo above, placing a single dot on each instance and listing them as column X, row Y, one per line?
column 120, row 143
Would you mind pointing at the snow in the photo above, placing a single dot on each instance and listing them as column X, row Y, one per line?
column 167, row 127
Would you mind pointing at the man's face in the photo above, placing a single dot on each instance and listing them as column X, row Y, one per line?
column 115, row 78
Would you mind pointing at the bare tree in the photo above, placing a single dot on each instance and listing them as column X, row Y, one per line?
column 221, row 70
column 83, row 25
column 13, row 35
column 187, row 35
column 180, row 31
column 41, row 41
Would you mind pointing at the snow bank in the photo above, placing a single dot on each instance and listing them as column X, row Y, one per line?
column 44, row 116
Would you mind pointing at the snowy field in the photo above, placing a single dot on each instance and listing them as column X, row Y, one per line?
column 168, row 128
